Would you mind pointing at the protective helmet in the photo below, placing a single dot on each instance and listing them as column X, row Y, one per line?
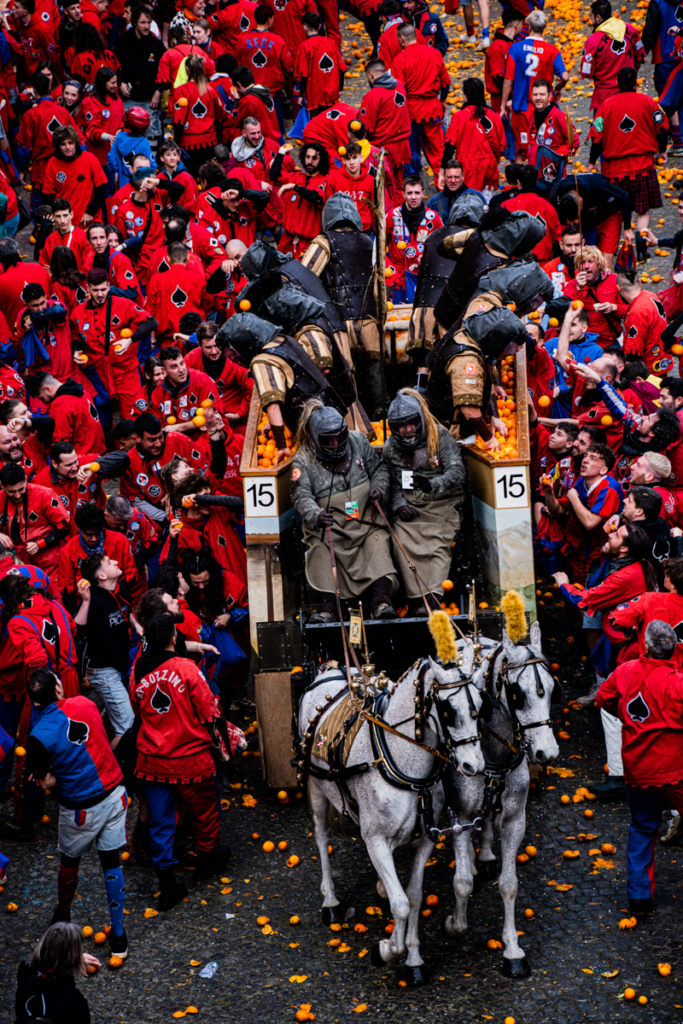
column 525, row 284
column 514, row 235
column 467, row 211
column 495, row 329
column 137, row 118
column 340, row 210
column 246, row 335
column 260, row 258
column 405, row 411
column 291, row 307
column 329, row 434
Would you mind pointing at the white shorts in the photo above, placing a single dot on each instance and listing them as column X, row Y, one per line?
column 104, row 825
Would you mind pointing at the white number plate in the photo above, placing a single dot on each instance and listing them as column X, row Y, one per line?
column 511, row 487
column 259, row 497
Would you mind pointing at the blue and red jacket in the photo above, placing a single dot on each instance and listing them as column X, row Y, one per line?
column 69, row 740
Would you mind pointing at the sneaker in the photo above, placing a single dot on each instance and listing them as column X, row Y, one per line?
column 118, row 945
column 642, row 907
column 483, row 43
column 322, row 617
column 675, row 151
column 12, row 830
column 384, row 611
column 674, row 833
column 611, row 790
column 464, row 38
column 588, row 699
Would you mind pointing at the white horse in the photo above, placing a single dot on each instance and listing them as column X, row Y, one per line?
column 522, row 718
column 388, row 813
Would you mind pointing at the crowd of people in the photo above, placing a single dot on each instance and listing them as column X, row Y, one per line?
column 205, row 211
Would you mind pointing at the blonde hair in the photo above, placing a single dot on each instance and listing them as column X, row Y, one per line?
column 431, row 425
column 303, row 433
column 194, row 66
column 589, row 252
column 659, row 464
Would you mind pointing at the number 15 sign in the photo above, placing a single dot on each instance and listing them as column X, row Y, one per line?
column 511, row 487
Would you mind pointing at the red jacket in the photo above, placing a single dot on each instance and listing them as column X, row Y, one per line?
column 234, row 386
column 494, row 66
column 643, row 326
column 140, row 220
column 228, row 23
column 55, row 335
column 225, row 225
column 73, row 493
column 175, row 705
column 142, row 479
column 90, row 322
column 540, row 375
column 638, row 613
column 36, row 43
column 97, row 118
column 622, row 585
column 11, row 384
column 12, row 284
column 422, row 71
column 407, row 260
column 35, row 133
column 537, row 206
column 607, row 327
column 559, row 273
column 253, row 104
column 76, row 419
column 189, row 197
column 73, row 554
column 267, row 56
column 479, row 143
column 76, row 240
column 171, row 60
column 385, row 115
column 647, row 696
column 231, row 482
column 121, row 275
column 301, row 217
column 199, row 117
column 287, row 21
column 604, row 57
column 627, row 125
column 330, row 128
column 388, row 47
column 360, row 190
column 47, row 636
column 75, row 180
column 197, row 389
column 320, row 64
column 34, row 520
column 216, row 531
column 173, row 293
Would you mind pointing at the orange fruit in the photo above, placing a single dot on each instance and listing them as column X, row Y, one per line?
column 282, row 794
column 606, row 421
column 293, row 861
column 664, row 970
column 87, row 931
column 20, row 751
column 245, row 305
column 294, row 919
column 100, row 938
column 564, row 799
column 183, row 101
column 282, row 846
column 530, row 851
column 94, row 467
column 643, row 999
column 677, row 349
column 432, row 901
column 12, row 908
column 262, row 921
column 198, row 421
column 588, row 813
column 341, row 150
column 45, row 820
column 629, row 993
column 608, row 848
column 171, row 420
column 126, row 333
column 447, row 584
column 207, row 403
column 528, row 913
column 268, row 846
column 544, row 401
column 115, row 961
column 401, row 245
column 577, row 304
column 426, row 913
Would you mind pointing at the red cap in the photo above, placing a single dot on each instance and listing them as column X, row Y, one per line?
column 137, row 117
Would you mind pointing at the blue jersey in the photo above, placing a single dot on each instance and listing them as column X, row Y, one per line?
column 122, row 150
column 529, row 60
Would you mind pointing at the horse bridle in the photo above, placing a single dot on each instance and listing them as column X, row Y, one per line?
column 513, row 693
column 444, row 711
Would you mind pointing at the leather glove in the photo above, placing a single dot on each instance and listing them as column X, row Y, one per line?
column 407, row 512
column 326, row 518
column 422, row 482
column 375, row 494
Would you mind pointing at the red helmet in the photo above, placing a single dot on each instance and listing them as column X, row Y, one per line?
column 137, row 117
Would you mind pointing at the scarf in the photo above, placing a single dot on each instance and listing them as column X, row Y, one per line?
column 541, row 115
column 242, row 150
column 606, row 568
column 98, row 549
column 615, row 28
column 413, row 218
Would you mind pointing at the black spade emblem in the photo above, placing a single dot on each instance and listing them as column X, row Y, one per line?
column 660, row 309
column 80, row 177
column 333, row 115
column 54, row 125
column 485, row 123
column 618, row 45
column 193, row 399
column 221, row 541
column 244, row 23
column 81, row 294
column 163, row 266
column 128, row 275
column 54, row 503
column 549, row 172
column 77, row 732
column 638, row 709
column 116, row 320
column 259, row 60
column 627, row 124
column 678, row 630
column 161, row 702
column 195, row 455
column 632, row 331
column 93, row 412
column 678, row 15
column 179, row 298
column 199, row 110
column 326, row 63
column 399, row 99
column 50, row 632
column 32, row 517
column 114, row 905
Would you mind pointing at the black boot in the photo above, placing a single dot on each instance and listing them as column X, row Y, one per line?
column 14, row 831
column 381, row 591
column 611, row 790
column 213, row 862
column 172, row 891
column 140, row 841
column 642, row 907
column 641, row 249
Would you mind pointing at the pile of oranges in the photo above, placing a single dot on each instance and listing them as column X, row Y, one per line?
column 379, row 433
column 267, row 448
column 507, row 413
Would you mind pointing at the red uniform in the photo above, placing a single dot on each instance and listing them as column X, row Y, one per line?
column 140, row 221
column 302, row 215
column 256, row 103
column 267, row 56
column 172, row 59
column 320, row 65
column 479, row 143
column 231, row 482
column 258, row 164
column 187, row 398
column 35, row 133
column 76, row 240
column 388, row 47
column 606, row 326
column 549, row 142
column 12, row 284
column 76, row 419
column 643, row 326
column 189, row 197
column 494, row 67
column 199, row 117
column 160, row 263
column 73, row 554
column 55, row 336
column 424, row 75
column 603, row 58
column 142, row 480
column 121, row 276
column 361, row 190
column 97, row 119
column 407, row 260
column 628, row 125
column 35, row 457
column 36, row 43
column 638, row 613
column 216, row 531
column 619, row 586
column 559, row 273
column 224, row 224
column 87, row 64
column 229, row 21
column 330, row 128
column 287, row 21
column 591, row 415
column 73, row 493
column 118, row 371
column 44, row 634
column 582, row 546
column 75, row 180
column 540, row 373
column 11, row 384
column 172, row 294
column 233, row 383
column 387, row 120
column 538, row 207
column 34, row 520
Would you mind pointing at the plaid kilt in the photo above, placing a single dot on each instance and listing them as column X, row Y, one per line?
column 643, row 190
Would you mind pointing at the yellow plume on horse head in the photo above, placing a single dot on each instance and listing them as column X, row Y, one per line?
column 443, row 634
column 513, row 608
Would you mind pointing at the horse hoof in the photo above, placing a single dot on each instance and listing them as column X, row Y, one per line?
column 333, row 915
column 376, row 956
column 487, row 870
column 414, row 976
column 516, row 968
column 444, row 929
